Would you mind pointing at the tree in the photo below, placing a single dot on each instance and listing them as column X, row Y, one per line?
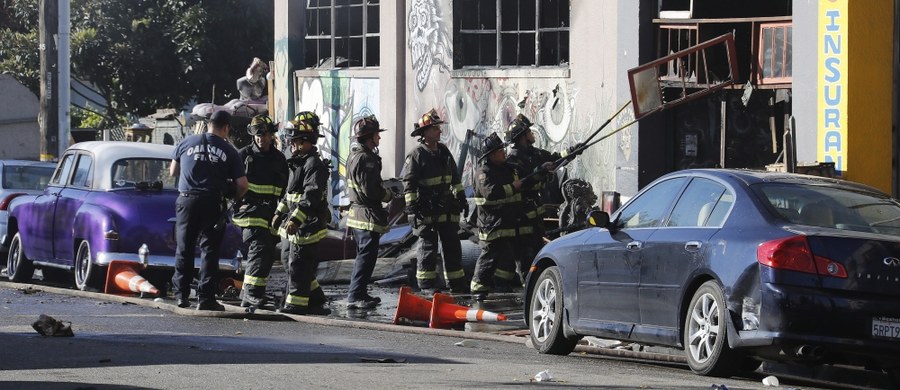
column 141, row 55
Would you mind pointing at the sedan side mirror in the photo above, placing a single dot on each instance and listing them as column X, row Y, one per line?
column 598, row 219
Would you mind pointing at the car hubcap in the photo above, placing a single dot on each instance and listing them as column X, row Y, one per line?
column 13, row 259
column 83, row 264
column 703, row 330
column 543, row 310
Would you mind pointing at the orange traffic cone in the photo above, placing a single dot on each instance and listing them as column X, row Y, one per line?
column 411, row 307
column 123, row 277
column 445, row 312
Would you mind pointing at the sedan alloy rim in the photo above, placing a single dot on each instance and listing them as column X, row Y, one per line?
column 544, row 310
column 704, row 328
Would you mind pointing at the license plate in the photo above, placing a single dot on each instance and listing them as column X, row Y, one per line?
column 886, row 327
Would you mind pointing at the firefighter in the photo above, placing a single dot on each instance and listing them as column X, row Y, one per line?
column 267, row 173
column 203, row 164
column 367, row 218
column 302, row 215
column 434, row 198
column 529, row 159
column 498, row 196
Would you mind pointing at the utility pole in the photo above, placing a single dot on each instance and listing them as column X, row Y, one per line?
column 49, row 116
column 55, row 78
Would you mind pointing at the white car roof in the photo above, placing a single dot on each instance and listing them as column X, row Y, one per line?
column 106, row 153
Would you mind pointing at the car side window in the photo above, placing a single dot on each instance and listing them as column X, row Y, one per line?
column 83, row 171
column 697, row 205
column 65, row 168
column 650, row 207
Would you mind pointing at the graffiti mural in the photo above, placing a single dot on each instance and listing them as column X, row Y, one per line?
column 339, row 102
column 429, row 42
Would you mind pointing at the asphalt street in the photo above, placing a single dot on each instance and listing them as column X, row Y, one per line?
column 127, row 342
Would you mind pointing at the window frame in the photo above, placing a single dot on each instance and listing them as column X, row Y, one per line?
column 311, row 39
column 787, row 75
column 465, row 70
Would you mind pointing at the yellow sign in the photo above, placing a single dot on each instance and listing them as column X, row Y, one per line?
column 832, row 84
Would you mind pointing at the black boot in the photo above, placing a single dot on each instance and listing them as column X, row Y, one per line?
column 254, row 296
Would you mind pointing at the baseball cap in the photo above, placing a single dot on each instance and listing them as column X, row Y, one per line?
column 220, row 117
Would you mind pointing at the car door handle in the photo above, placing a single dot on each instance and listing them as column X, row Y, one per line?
column 634, row 245
column 692, row 246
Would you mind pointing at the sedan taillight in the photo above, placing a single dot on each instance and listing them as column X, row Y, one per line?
column 794, row 254
column 4, row 204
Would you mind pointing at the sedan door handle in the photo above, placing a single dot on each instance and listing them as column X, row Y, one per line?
column 634, row 245
column 692, row 246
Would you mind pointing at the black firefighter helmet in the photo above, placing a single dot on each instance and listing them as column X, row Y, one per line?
column 261, row 124
column 366, row 126
column 302, row 130
column 491, row 144
column 517, row 127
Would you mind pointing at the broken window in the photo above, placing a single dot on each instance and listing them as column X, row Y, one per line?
column 510, row 33
column 775, row 53
column 342, row 34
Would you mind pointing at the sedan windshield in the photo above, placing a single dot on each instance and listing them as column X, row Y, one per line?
column 832, row 207
column 142, row 173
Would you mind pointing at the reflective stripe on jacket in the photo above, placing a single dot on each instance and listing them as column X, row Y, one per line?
column 306, row 200
column 499, row 203
column 267, row 175
column 431, row 184
column 366, row 191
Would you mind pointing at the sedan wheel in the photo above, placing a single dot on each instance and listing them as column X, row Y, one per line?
column 545, row 316
column 705, row 334
column 87, row 274
column 18, row 267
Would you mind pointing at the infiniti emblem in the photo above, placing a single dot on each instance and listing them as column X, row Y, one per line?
column 892, row 262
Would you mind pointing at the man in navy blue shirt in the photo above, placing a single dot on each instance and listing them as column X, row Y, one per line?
column 204, row 164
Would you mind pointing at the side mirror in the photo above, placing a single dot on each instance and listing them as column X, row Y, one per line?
column 598, row 219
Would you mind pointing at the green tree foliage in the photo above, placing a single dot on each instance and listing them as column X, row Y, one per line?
column 146, row 54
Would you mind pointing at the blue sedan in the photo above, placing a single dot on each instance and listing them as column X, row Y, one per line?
column 734, row 267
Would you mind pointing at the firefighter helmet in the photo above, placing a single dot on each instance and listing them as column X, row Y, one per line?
column 491, row 144
column 517, row 127
column 302, row 130
column 366, row 126
column 307, row 117
column 431, row 118
column 260, row 125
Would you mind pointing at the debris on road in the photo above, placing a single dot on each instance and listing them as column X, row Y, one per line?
column 49, row 326
column 467, row 344
column 771, row 381
column 543, row 376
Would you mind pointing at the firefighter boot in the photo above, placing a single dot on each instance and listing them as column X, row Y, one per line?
column 254, row 296
column 459, row 286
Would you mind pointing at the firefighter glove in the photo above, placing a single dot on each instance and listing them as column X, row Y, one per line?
column 575, row 150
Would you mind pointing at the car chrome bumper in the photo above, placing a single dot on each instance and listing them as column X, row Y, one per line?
column 104, row 258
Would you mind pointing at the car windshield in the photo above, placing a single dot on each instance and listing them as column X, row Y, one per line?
column 142, row 173
column 26, row 177
column 832, row 207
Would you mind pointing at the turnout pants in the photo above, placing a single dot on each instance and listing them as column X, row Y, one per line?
column 260, row 257
column 366, row 255
column 428, row 256
column 195, row 218
column 495, row 266
column 301, row 263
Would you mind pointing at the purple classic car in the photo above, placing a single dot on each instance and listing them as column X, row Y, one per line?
column 105, row 201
